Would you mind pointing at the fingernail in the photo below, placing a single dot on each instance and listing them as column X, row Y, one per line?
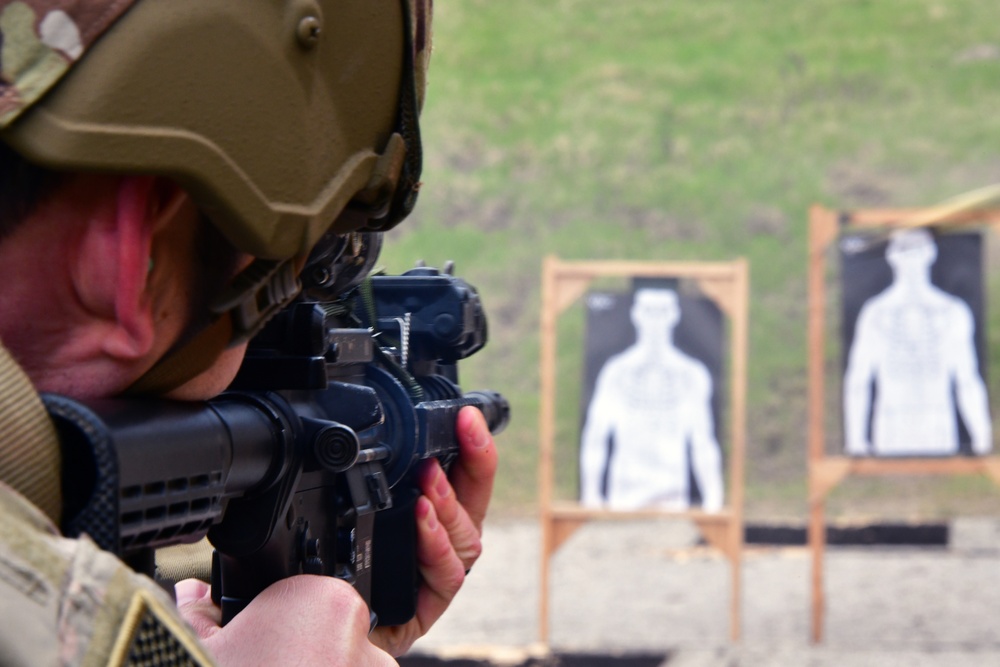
column 442, row 487
column 480, row 437
column 427, row 514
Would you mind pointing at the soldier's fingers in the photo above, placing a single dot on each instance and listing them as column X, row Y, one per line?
column 473, row 473
column 442, row 572
column 194, row 601
column 463, row 532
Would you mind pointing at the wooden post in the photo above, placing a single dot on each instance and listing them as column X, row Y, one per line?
column 822, row 228
column 739, row 341
column 546, row 431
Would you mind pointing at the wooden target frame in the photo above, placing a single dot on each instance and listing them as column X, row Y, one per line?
column 727, row 284
column 826, row 471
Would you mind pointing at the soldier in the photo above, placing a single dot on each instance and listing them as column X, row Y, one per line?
column 165, row 169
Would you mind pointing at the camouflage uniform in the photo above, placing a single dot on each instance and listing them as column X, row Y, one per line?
column 67, row 602
column 40, row 40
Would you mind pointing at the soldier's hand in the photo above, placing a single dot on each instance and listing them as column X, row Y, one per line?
column 449, row 527
column 301, row 620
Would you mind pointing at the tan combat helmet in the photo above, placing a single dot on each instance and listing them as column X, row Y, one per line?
column 283, row 119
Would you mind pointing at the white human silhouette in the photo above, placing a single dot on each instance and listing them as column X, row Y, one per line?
column 654, row 400
column 915, row 341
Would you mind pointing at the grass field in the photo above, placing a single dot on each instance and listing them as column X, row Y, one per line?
column 676, row 129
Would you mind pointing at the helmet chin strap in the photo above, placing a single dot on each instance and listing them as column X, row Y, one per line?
column 186, row 362
column 254, row 297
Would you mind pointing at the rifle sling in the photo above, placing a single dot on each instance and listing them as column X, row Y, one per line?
column 30, row 458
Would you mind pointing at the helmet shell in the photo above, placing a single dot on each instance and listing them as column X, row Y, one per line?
column 272, row 115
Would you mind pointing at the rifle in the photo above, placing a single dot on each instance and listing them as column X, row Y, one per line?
column 308, row 463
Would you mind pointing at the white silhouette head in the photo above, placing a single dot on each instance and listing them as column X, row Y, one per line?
column 655, row 311
column 911, row 250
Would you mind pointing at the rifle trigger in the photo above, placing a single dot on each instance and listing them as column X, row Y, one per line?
column 378, row 488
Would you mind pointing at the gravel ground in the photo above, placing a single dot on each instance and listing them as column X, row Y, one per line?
column 627, row 589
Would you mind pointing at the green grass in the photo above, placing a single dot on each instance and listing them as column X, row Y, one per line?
column 643, row 129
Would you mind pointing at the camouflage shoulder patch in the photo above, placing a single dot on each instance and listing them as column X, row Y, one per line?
column 151, row 635
column 39, row 42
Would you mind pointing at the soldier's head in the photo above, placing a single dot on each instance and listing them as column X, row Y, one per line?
column 283, row 125
column 911, row 251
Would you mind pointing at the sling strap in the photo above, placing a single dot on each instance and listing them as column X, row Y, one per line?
column 30, row 458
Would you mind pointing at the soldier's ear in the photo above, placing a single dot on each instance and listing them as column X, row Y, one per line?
column 112, row 268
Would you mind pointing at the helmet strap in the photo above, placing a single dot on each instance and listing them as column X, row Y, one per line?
column 187, row 361
column 253, row 298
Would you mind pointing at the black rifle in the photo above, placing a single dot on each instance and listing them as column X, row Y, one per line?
column 309, row 462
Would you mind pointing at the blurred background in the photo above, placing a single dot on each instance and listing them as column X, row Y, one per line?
column 696, row 130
